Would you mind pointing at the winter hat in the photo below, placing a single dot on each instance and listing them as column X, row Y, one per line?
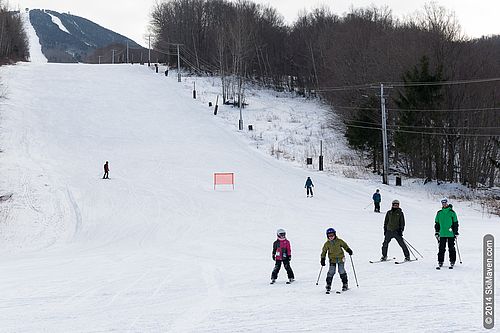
column 444, row 200
column 280, row 231
column 395, row 202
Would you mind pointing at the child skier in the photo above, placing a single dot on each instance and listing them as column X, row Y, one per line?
column 282, row 253
column 334, row 246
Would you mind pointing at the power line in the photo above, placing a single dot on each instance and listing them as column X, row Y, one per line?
column 425, row 133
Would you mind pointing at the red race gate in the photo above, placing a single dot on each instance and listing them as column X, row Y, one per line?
column 223, row 178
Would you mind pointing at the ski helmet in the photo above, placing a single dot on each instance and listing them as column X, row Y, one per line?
column 331, row 231
column 444, row 200
column 395, row 202
column 281, row 232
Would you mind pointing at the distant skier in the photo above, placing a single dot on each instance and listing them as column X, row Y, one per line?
column 166, row 70
column 446, row 230
column 309, row 185
column 394, row 225
column 106, row 171
column 334, row 246
column 376, row 200
column 282, row 253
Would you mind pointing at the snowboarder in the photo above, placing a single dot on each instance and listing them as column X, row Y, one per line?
column 282, row 253
column 309, row 185
column 376, row 200
column 334, row 246
column 446, row 230
column 394, row 225
column 106, row 170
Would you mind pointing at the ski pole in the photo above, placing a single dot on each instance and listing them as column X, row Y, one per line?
column 412, row 247
column 458, row 250
column 319, row 274
column 355, row 277
column 411, row 252
column 368, row 205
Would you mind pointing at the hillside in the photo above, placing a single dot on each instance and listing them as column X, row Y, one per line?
column 70, row 38
column 156, row 249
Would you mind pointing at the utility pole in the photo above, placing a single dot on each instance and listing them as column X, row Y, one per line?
column 178, row 64
column 127, row 54
column 240, row 122
column 384, row 136
column 113, row 59
column 99, row 60
column 149, row 52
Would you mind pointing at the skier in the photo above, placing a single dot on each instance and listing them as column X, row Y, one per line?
column 334, row 246
column 394, row 225
column 376, row 200
column 446, row 230
column 309, row 185
column 282, row 253
column 106, row 170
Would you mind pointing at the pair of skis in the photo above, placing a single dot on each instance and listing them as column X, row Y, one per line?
column 391, row 259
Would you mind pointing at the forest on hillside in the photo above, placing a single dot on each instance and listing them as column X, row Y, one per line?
column 14, row 45
column 441, row 88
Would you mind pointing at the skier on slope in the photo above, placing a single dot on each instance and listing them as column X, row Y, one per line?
column 309, row 185
column 394, row 225
column 106, row 171
column 376, row 200
column 282, row 253
column 334, row 246
column 446, row 231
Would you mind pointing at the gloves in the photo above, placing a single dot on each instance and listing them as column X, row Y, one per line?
column 456, row 233
column 437, row 236
column 323, row 262
column 349, row 251
column 274, row 257
column 400, row 232
column 289, row 258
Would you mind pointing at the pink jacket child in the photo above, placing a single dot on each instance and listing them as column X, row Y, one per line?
column 282, row 253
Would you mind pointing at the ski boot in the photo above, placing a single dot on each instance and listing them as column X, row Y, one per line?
column 383, row 258
column 407, row 259
column 273, row 281
column 440, row 264
column 343, row 277
column 328, row 284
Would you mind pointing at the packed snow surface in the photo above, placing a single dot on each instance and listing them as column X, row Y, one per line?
column 36, row 55
column 57, row 21
column 156, row 249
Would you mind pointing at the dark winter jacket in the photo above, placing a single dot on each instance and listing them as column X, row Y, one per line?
column 394, row 220
column 334, row 248
column 282, row 250
column 309, row 182
column 446, row 222
column 377, row 197
column 106, row 167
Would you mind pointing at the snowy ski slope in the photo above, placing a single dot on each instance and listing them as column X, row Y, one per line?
column 156, row 249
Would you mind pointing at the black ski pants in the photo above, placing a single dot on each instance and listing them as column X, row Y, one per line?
column 389, row 235
column 309, row 190
column 451, row 249
column 277, row 266
column 377, row 206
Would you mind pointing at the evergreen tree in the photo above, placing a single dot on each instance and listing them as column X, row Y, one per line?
column 413, row 137
column 364, row 131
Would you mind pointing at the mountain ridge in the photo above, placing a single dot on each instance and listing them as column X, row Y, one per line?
column 78, row 41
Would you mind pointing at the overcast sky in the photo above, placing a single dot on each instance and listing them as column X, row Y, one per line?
column 130, row 17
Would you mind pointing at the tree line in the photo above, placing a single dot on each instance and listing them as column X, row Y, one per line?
column 14, row 45
column 443, row 123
